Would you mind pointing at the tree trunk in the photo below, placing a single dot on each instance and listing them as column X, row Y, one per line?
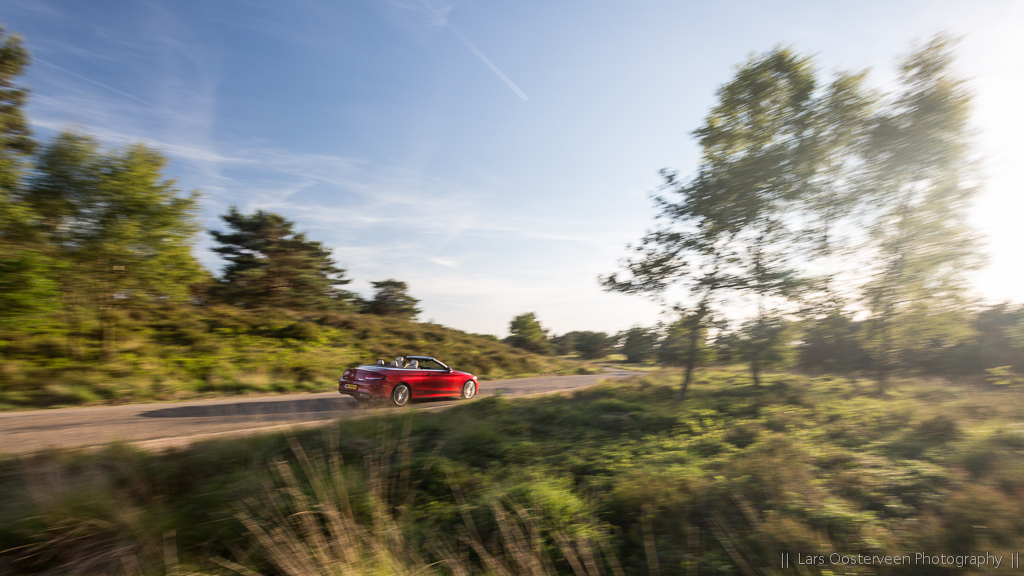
column 884, row 357
column 895, row 276
column 73, row 320
column 755, row 369
column 687, row 378
column 107, row 333
column 691, row 361
column 106, row 305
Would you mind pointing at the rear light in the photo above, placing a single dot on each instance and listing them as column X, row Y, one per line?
column 374, row 377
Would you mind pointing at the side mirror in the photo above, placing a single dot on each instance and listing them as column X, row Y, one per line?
column 447, row 368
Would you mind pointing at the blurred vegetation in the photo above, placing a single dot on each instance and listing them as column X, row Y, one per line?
column 622, row 478
column 270, row 265
column 167, row 350
column 526, row 332
column 833, row 343
column 392, row 299
column 869, row 190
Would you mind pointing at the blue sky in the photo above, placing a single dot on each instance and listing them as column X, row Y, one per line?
column 497, row 156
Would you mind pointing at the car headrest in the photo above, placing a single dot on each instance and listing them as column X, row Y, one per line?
column 413, row 364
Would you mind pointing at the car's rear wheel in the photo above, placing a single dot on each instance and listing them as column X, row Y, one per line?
column 400, row 395
column 468, row 390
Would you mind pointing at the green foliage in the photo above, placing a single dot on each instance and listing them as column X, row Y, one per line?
column 114, row 215
column 831, row 343
column 685, row 343
column 639, row 344
column 790, row 171
column 621, row 473
column 769, row 163
column 27, row 286
column 592, row 345
column 271, row 265
column 176, row 351
column 527, row 333
column 766, row 342
column 15, row 135
column 920, row 172
column 392, row 299
column 563, row 345
column 110, row 230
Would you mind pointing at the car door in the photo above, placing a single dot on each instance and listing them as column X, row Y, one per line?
column 436, row 378
column 451, row 381
column 455, row 382
column 417, row 381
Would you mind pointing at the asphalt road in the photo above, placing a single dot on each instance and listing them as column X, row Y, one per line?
column 168, row 424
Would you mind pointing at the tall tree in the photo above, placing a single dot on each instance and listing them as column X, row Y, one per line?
column 733, row 227
column 14, row 130
column 27, row 286
column 639, row 344
column 271, row 265
column 924, row 178
column 124, row 230
column 392, row 298
column 593, row 345
column 563, row 345
column 528, row 334
column 765, row 338
column 685, row 342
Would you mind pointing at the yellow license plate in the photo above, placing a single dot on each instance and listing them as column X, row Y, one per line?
column 351, row 387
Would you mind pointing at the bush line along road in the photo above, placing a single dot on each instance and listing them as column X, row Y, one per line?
column 178, row 423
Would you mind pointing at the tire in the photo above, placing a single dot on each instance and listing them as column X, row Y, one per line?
column 400, row 395
column 468, row 390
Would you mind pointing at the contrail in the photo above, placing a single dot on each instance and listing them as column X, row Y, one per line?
column 508, row 81
column 91, row 80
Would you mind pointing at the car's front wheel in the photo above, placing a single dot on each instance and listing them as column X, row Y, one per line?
column 400, row 395
column 468, row 390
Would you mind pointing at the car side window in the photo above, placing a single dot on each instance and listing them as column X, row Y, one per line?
column 430, row 365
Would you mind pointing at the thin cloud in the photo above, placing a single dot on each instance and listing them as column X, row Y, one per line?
column 389, row 195
column 100, row 84
column 446, row 262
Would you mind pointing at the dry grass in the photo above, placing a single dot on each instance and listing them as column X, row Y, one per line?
column 312, row 516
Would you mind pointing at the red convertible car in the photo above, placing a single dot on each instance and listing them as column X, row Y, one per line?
column 405, row 379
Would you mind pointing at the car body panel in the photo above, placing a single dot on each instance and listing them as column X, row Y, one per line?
column 376, row 382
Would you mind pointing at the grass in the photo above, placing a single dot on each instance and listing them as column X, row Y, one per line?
column 174, row 352
column 622, row 478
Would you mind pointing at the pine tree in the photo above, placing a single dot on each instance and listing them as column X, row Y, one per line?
column 271, row 265
column 392, row 299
